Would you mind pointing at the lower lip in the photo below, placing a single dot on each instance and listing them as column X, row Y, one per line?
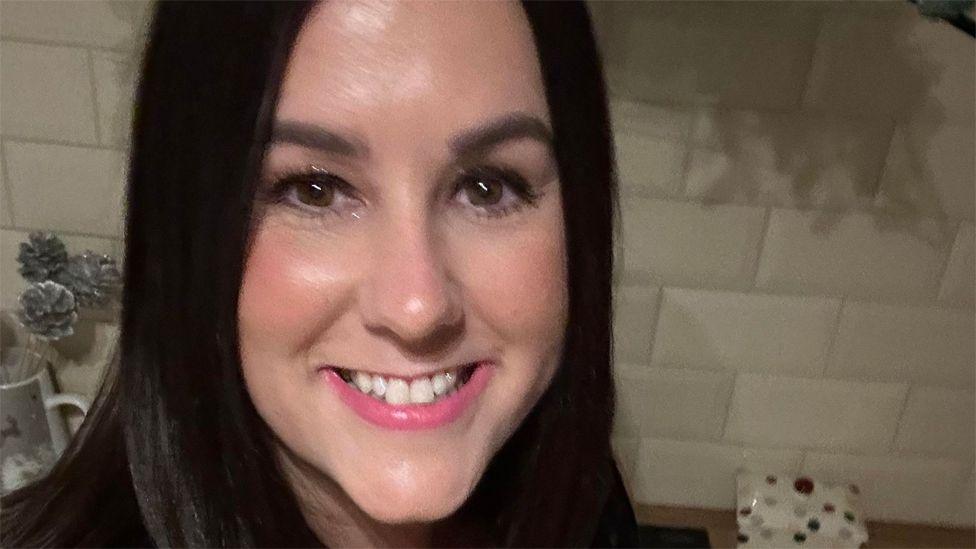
column 414, row 416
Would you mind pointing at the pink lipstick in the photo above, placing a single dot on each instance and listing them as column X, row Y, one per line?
column 408, row 417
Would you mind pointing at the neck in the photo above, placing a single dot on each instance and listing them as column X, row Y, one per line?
column 336, row 520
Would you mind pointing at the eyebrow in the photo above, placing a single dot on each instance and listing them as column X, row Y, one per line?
column 495, row 132
column 313, row 136
column 468, row 143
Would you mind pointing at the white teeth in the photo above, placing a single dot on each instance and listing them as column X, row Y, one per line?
column 379, row 386
column 439, row 384
column 421, row 391
column 397, row 392
column 363, row 381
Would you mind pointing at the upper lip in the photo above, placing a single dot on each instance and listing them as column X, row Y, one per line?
column 408, row 373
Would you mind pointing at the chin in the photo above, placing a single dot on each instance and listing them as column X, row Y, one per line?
column 409, row 500
column 408, row 512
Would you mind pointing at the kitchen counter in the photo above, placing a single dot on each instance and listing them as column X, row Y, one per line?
column 721, row 527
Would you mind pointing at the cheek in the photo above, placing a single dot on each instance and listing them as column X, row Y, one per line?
column 287, row 290
column 519, row 285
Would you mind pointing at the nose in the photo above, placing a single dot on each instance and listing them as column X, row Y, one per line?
column 409, row 294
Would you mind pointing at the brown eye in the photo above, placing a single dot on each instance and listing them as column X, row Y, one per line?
column 315, row 193
column 483, row 190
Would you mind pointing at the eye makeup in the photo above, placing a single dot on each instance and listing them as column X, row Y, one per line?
column 494, row 191
column 311, row 191
column 483, row 191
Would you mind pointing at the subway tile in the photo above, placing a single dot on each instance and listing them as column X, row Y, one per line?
column 883, row 59
column 701, row 474
column 938, row 422
column 852, row 254
column 650, row 144
column 630, row 400
column 803, row 159
column 688, row 244
column 648, row 166
column 653, row 121
column 47, row 92
column 930, row 170
column 720, row 177
column 109, row 24
column 734, row 53
column 633, row 324
column 684, row 404
column 744, row 332
column 12, row 284
column 959, row 282
column 899, row 489
column 62, row 188
column 814, row 413
column 625, row 452
column 927, row 345
column 115, row 76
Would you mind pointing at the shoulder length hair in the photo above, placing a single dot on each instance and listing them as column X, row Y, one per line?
column 173, row 452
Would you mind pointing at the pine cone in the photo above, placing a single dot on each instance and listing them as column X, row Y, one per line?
column 91, row 278
column 42, row 257
column 48, row 309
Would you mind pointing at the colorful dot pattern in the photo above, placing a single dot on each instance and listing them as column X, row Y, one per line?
column 803, row 512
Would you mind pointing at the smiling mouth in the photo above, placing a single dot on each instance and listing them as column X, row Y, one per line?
column 416, row 391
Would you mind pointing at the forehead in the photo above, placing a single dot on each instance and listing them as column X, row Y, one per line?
column 373, row 65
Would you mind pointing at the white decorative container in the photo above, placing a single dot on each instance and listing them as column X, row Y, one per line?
column 784, row 511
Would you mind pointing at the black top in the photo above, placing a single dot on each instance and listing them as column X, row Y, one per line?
column 618, row 525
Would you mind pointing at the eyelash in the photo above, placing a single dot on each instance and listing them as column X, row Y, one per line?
column 280, row 191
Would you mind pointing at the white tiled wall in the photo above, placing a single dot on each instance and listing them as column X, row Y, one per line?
column 68, row 70
column 684, row 243
column 798, row 194
column 709, row 329
column 796, row 276
column 67, row 74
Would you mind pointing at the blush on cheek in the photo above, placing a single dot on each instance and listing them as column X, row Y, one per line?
column 286, row 287
column 521, row 286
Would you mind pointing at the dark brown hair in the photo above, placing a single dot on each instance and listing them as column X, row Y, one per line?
column 173, row 452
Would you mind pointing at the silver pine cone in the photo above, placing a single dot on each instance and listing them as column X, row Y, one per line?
column 48, row 309
column 91, row 277
column 41, row 257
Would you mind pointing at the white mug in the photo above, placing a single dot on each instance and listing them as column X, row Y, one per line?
column 33, row 433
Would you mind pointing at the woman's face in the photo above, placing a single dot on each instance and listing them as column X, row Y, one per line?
column 404, row 299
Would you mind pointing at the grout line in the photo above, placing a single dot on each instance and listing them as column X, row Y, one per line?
column 628, row 281
column 834, row 334
column 59, row 232
column 68, row 44
column 652, row 339
column 760, row 247
column 690, row 145
column 770, row 375
column 8, row 194
column 94, row 92
column 898, row 422
column 728, row 406
column 803, row 450
column 870, row 209
column 944, row 268
column 883, row 168
column 817, row 39
column 60, row 142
